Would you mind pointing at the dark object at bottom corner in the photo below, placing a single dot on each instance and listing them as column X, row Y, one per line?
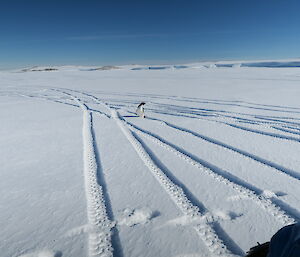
column 260, row 250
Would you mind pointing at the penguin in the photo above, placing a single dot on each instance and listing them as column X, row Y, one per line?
column 140, row 110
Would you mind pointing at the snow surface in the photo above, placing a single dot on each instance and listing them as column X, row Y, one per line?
column 212, row 169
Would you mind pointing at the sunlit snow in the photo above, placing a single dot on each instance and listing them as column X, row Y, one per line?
column 211, row 170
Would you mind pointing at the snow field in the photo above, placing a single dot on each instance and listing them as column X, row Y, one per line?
column 205, row 231
column 211, row 170
column 260, row 200
column 265, row 203
column 242, row 190
column 141, row 193
column 32, row 216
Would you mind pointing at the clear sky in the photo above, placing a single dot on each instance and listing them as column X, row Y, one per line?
column 50, row 32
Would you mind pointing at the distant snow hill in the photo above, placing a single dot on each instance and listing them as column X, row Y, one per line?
column 295, row 63
column 37, row 68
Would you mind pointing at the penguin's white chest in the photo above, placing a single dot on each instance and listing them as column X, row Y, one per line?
column 140, row 111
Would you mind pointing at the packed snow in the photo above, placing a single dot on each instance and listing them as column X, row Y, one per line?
column 211, row 170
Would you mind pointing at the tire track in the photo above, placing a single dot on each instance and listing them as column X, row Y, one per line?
column 290, row 127
column 278, row 121
column 203, row 229
column 279, row 168
column 99, row 239
column 287, row 130
column 252, row 130
column 48, row 99
column 241, row 187
column 201, row 223
column 244, row 154
column 270, row 134
column 256, row 131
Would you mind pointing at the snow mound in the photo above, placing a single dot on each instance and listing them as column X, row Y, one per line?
column 132, row 217
column 151, row 68
column 106, row 67
column 237, row 65
column 226, row 215
column 211, row 66
column 37, row 68
column 180, row 66
column 269, row 194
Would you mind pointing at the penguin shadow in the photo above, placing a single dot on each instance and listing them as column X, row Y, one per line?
column 131, row 116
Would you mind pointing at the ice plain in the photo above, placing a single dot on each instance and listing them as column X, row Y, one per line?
column 212, row 169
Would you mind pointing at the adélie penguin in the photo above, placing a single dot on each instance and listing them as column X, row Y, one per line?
column 140, row 110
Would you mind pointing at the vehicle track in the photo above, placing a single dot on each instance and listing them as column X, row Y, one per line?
column 100, row 226
column 224, row 117
column 233, row 149
column 248, row 129
column 243, row 153
column 241, row 187
column 273, row 207
column 287, row 130
column 201, row 223
column 270, row 134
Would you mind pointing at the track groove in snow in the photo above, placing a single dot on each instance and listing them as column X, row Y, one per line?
column 220, row 114
column 287, row 130
column 248, row 129
column 275, row 207
column 270, row 134
column 99, row 243
column 235, row 150
column 203, row 224
column 243, row 188
column 236, row 184
column 253, row 142
column 203, row 227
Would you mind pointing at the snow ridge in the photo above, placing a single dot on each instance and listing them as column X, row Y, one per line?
column 262, row 201
column 99, row 242
column 202, row 222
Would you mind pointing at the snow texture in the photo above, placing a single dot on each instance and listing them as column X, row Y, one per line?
column 212, row 169
column 100, row 234
column 134, row 217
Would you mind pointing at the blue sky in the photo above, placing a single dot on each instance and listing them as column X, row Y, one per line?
column 56, row 32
